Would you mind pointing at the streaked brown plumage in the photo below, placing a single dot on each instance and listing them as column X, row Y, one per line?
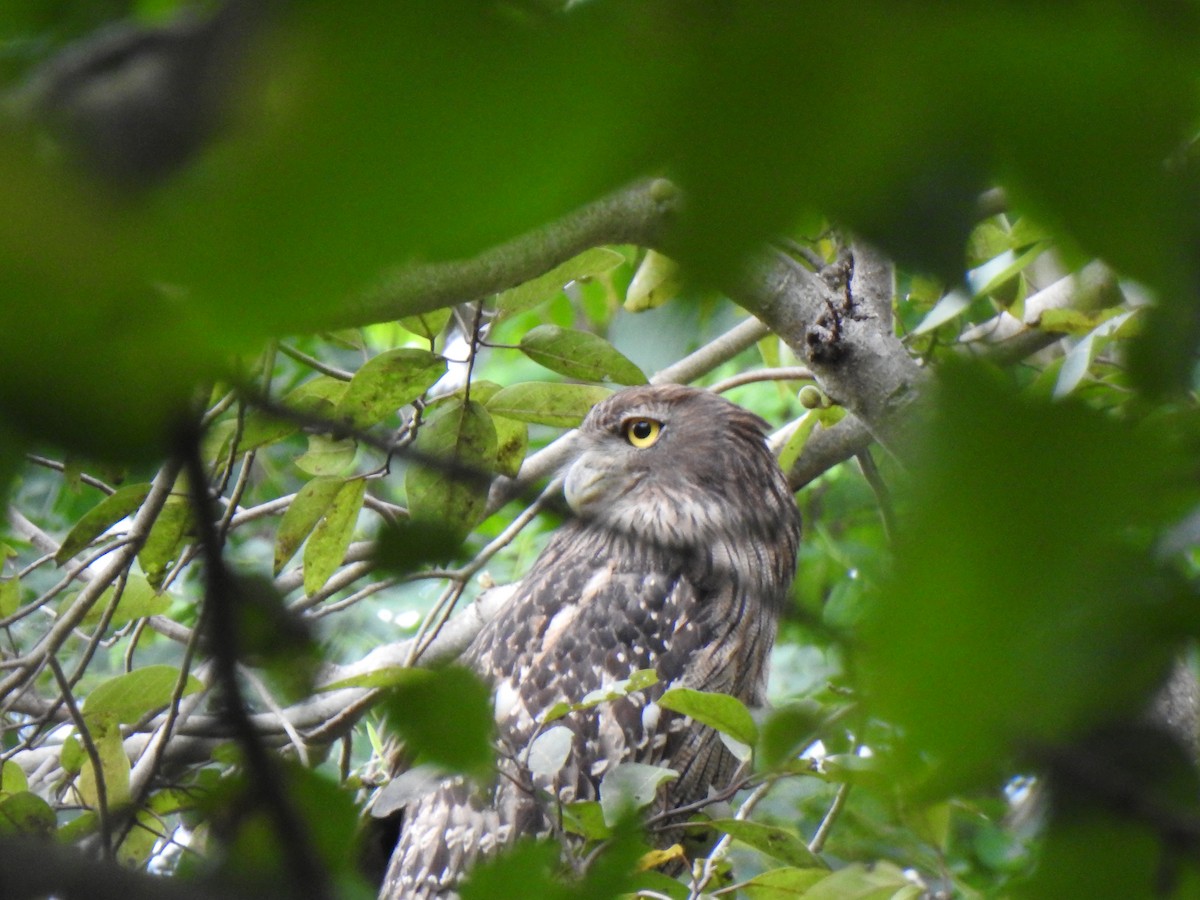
column 679, row 558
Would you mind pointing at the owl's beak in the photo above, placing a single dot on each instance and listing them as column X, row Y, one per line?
column 585, row 482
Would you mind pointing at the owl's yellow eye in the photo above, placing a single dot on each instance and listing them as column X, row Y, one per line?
column 641, row 433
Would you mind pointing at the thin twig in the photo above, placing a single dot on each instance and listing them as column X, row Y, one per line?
column 817, row 844
column 787, row 373
column 57, row 466
column 705, row 869
column 142, row 773
column 117, row 563
column 313, row 363
column 303, row 862
column 273, row 706
column 357, row 597
column 93, row 754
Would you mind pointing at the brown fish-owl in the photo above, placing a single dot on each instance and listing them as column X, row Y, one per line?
column 679, row 558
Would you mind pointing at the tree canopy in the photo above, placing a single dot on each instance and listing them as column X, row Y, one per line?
column 301, row 301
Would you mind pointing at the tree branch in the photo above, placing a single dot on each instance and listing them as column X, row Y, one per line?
column 635, row 215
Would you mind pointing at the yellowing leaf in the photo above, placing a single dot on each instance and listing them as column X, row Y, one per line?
column 137, row 601
column 114, row 766
column 656, row 858
column 100, row 518
column 126, row 698
column 302, row 515
column 10, row 595
column 462, row 435
column 326, row 456
column 656, row 281
column 166, row 539
column 386, row 382
column 326, row 547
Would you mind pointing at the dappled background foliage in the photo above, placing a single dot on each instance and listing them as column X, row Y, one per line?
column 374, row 281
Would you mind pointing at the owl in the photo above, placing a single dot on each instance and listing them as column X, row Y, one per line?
column 678, row 559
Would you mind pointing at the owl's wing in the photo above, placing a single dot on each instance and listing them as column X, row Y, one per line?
column 602, row 609
column 594, row 609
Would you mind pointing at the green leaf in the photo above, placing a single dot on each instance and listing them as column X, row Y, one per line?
column 12, row 778
column 783, row 884
column 326, row 547
column 112, row 509
column 327, row 456
column 579, row 354
column 274, row 637
column 461, row 435
column 726, row 714
column 778, row 843
column 512, row 445
column 126, row 698
column 1042, row 618
column 306, row 509
column 528, row 295
column 260, row 429
column 1077, row 322
column 139, row 843
column 527, row 870
column 586, row 818
column 948, row 308
column 26, row 813
column 880, row 881
column 1078, row 360
column 547, row 403
column 787, row 730
column 445, row 717
column 631, row 784
column 10, row 595
column 137, row 601
column 114, row 765
column 428, row 325
column 794, row 446
column 512, row 437
column 386, row 382
column 405, row 546
column 638, row 680
column 72, row 755
column 656, row 281
column 319, row 396
column 387, row 677
column 851, row 768
column 166, row 539
column 1013, row 269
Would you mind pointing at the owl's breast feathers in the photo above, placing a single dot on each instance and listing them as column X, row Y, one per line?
column 590, row 614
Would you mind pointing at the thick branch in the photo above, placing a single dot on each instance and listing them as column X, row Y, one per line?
column 634, row 215
column 845, row 338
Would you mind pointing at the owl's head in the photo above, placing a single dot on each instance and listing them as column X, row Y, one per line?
column 677, row 466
